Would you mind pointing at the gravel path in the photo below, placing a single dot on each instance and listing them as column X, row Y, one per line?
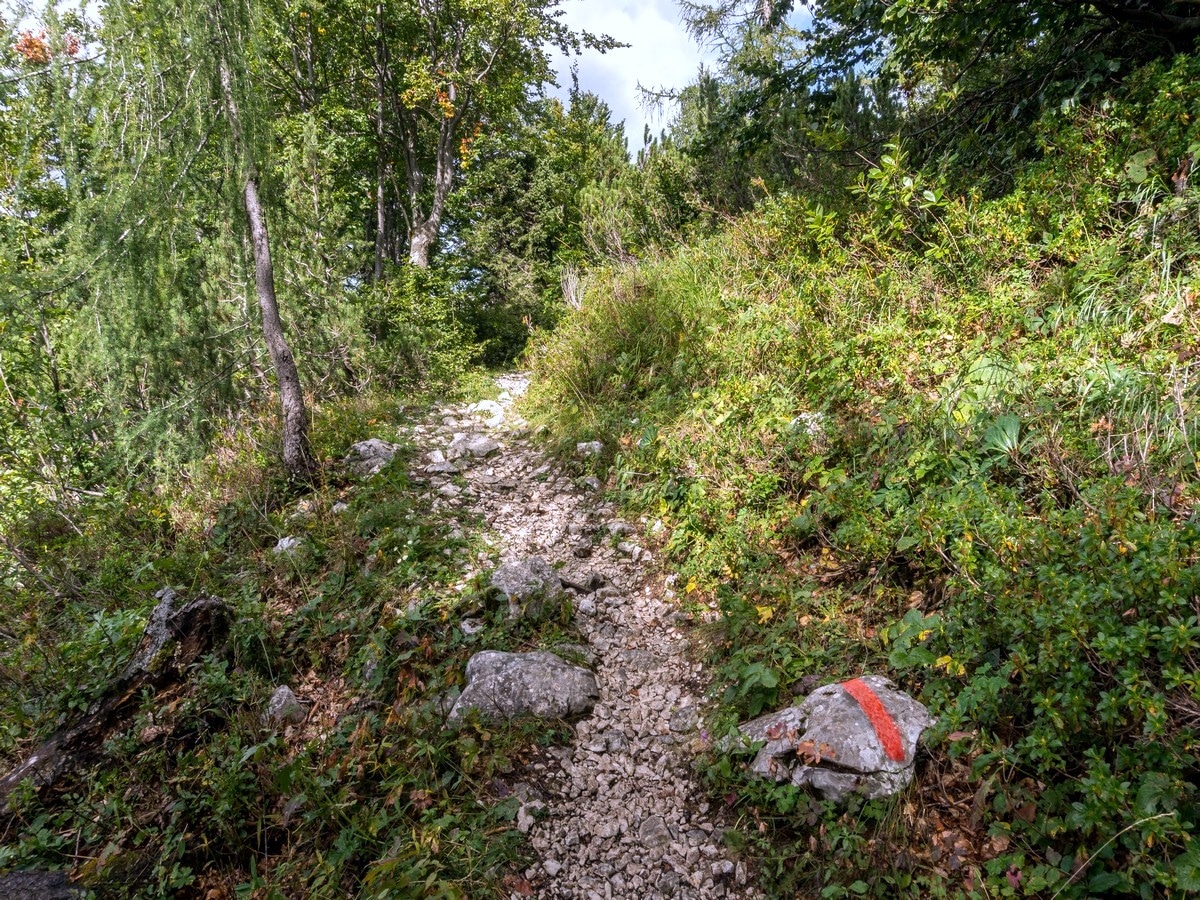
column 617, row 813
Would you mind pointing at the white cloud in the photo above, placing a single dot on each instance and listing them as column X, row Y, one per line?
column 660, row 54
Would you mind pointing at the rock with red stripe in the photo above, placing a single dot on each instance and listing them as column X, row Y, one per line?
column 859, row 735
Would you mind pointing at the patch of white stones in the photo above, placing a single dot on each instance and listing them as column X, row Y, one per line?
column 617, row 813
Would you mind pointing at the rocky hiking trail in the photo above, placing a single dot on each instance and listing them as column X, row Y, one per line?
column 616, row 813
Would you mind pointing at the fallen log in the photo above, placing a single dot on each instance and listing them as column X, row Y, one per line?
column 174, row 638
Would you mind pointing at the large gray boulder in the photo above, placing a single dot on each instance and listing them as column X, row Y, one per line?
column 533, row 589
column 508, row 685
column 369, row 456
column 859, row 735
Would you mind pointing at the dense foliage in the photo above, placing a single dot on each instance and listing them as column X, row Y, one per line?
column 894, row 329
column 200, row 795
column 139, row 442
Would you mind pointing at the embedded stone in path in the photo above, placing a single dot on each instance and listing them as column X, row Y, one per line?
column 475, row 445
column 859, row 735
column 533, row 589
column 653, row 832
column 285, row 707
column 487, row 408
column 369, row 456
column 490, row 410
column 507, row 685
column 438, row 465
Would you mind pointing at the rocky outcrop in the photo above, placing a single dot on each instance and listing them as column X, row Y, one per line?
column 859, row 735
column 508, row 685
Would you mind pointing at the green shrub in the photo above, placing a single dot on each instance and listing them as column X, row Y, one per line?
column 415, row 332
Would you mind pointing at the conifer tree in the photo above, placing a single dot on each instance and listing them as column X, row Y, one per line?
column 185, row 73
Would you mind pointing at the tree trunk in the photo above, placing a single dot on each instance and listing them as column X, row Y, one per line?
column 424, row 229
column 297, row 455
column 382, row 230
column 187, row 633
column 424, row 233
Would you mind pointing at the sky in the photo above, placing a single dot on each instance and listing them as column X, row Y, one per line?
column 661, row 55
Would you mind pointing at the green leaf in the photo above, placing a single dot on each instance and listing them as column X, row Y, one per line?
column 1137, row 168
column 1187, row 868
column 1003, row 436
column 1104, row 881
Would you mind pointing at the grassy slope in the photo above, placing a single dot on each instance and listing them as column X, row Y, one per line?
column 956, row 441
column 371, row 797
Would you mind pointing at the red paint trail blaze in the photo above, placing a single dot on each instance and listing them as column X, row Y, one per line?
column 881, row 720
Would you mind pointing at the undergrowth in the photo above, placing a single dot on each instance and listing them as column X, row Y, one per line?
column 954, row 440
column 201, row 796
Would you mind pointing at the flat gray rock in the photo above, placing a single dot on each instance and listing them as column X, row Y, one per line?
column 653, row 832
column 474, row 445
column 507, row 685
column 369, row 456
column 830, row 743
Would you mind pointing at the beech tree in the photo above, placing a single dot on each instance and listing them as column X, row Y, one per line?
column 445, row 72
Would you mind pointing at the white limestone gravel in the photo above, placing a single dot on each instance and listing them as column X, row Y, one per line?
column 617, row 813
